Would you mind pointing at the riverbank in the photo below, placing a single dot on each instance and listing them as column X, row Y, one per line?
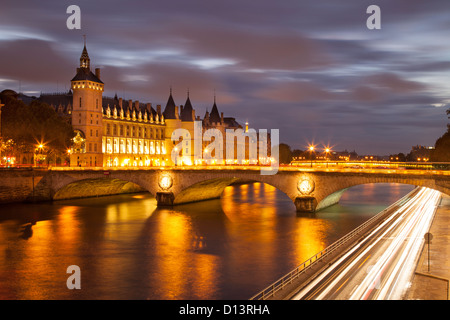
column 431, row 280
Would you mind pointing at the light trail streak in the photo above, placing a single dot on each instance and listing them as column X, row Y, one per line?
column 392, row 248
column 412, row 232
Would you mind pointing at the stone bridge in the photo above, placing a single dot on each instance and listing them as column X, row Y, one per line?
column 310, row 190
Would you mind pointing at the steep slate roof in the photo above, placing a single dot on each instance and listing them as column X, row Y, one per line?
column 232, row 123
column 186, row 114
column 86, row 74
column 169, row 111
column 214, row 116
column 63, row 99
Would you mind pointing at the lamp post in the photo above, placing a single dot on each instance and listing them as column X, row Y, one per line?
column 69, row 152
column 38, row 154
column 311, row 149
column 327, row 150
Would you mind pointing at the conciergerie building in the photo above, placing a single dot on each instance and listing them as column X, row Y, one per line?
column 113, row 132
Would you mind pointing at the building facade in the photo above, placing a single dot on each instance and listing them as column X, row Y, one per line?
column 111, row 132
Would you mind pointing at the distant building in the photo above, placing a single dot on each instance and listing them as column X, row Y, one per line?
column 419, row 153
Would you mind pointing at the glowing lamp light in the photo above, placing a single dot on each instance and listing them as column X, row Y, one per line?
column 165, row 182
column 305, row 186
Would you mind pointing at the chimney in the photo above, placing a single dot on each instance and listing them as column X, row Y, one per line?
column 149, row 107
column 97, row 72
column 193, row 115
column 176, row 112
column 221, row 117
column 120, row 103
column 130, row 104
column 136, row 104
column 158, row 109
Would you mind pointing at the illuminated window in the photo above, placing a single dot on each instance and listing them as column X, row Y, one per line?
column 152, row 148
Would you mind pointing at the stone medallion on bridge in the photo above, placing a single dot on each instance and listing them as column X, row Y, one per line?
column 305, row 186
column 165, row 182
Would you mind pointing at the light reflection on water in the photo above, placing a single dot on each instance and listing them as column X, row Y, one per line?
column 126, row 248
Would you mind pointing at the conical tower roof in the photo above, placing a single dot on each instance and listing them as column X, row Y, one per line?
column 214, row 116
column 169, row 111
column 186, row 114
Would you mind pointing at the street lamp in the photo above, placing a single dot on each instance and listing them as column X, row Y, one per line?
column 38, row 153
column 327, row 151
column 311, row 149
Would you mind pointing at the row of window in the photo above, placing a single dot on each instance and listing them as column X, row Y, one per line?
column 134, row 131
column 87, row 84
column 132, row 146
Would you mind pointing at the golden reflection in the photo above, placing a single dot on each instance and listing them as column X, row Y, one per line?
column 68, row 230
column 175, row 241
column 244, row 190
column 131, row 210
column 310, row 237
column 113, row 213
column 253, row 220
column 39, row 254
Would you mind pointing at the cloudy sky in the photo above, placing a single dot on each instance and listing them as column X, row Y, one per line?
column 311, row 69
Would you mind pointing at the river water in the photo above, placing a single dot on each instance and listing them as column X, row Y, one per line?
column 126, row 248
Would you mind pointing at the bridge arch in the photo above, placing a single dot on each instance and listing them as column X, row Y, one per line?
column 335, row 190
column 96, row 187
column 213, row 189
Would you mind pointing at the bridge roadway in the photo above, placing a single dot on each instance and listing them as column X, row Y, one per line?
column 310, row 189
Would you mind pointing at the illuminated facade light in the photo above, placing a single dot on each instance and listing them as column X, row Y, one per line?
column 305, row 186
column 165, row 182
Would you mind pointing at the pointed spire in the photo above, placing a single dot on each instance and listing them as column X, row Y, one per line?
column 214, row 115
column 84, row 59
column 169, row 111
column 187, row 112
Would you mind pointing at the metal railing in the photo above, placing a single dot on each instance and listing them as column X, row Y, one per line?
column 281, row 283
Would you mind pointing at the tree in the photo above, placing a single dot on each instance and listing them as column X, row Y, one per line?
column 31, row 125
column 441, row 152
column 285, row 153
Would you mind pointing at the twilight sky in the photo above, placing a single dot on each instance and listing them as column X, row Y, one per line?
column 311, row 69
